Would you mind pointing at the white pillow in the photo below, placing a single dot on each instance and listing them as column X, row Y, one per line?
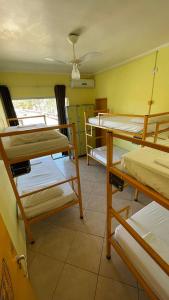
column 42, row 196
column 137, row 120
column 150, row 120
column 35, row 137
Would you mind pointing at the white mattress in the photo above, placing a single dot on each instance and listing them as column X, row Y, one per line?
column 151, row 223
column 16, row 151
column 100, row 153
column 123, row 123
column 44, row 172
column 140, row 164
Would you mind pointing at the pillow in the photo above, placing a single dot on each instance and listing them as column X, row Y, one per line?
column 42, row 196
column 35, row 137
column 137, row 120
column 150, row 120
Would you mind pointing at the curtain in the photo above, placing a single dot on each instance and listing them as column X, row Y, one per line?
column 21, row 167
column 7, row 104
column 60, row 103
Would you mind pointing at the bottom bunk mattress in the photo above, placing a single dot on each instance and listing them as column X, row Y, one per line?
column 142, row 164
column 44, row 172
column 152, row 224
column 100, row 153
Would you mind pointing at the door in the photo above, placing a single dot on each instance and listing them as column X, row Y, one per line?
column 14, row 285
column 101, row 105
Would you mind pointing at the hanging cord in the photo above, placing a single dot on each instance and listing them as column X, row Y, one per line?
column 74, row 55
column 153, row 83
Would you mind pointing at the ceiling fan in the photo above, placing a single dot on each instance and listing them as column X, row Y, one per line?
column 76, row 62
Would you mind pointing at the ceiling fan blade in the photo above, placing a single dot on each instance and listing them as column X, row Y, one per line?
column 62, row 62
column 88, row 56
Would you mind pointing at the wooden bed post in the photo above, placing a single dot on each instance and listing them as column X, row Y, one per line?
column 109, row 142
column 145, row 127
column 18, row 200
column 77, row 169
column 85, row 118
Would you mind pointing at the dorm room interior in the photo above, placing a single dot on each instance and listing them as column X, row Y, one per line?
column 84, row 176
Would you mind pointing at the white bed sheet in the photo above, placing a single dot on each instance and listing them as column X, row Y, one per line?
column 67, row 196
column 34, row 148
column 123, row 123
column 140, row 164
column 100, row 153
column 151, row 223
column 44, row 172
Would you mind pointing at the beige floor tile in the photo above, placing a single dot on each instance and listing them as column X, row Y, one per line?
column 55, row 243
column 30, row 255
column 143, row 295
column 115, row 268
column 99, row 188
column 44, row 273
column 85, row 252
column 93, row 222
column 107, row 289
column 86, row 185
column 75, row 284
column 96, row 202
column 68, row 218
column 39, row 230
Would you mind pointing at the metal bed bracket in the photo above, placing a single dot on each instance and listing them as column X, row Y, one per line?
column 116, row 181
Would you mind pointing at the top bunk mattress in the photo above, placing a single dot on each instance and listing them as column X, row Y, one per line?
column 151, row 223
column 143, row 164
column 18, row 146
column 129, row 124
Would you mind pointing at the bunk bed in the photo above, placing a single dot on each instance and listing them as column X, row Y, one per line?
column 44, row 191
column 141, row 240
column 140, row 126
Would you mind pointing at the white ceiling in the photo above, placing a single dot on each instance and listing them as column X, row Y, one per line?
column 119, row 29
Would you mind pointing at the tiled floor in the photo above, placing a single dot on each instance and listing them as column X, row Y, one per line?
column 68, row 261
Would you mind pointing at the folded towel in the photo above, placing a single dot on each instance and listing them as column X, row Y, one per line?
column 162, row 162
column 42, row 196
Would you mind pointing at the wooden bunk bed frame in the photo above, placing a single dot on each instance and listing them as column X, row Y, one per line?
column 112, row 213
column 76, row 178
column 20, row 119
column 89, row 129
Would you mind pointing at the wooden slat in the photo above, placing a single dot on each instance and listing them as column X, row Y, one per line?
column 48, row 187
column 141, row 187
column 41, row 129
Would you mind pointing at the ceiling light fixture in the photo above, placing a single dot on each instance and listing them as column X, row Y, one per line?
column 75, row 72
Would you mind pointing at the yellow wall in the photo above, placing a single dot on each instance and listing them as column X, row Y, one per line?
column 9, row 214
column 27, row 85
column 8, row 204
column 128, row 87
column 161, row 88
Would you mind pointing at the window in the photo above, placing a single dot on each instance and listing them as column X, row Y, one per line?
column 36, row 107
